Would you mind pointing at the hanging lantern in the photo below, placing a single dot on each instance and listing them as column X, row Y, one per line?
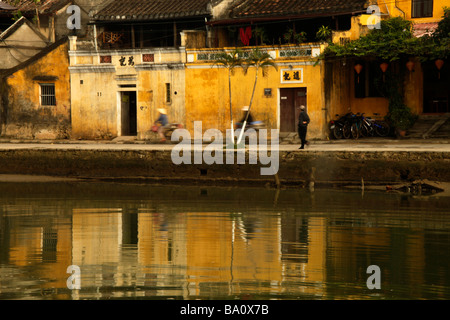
column 358, row 69
column 384, row 67
column 410, row 66
column 439, row 63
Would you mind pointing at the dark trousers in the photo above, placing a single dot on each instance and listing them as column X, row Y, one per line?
column 302, row 134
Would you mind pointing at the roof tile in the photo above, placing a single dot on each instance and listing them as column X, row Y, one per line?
column 264, row 8
column 29, row 6
column 153, row 9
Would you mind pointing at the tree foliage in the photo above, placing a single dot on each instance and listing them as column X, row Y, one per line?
column 395, row 40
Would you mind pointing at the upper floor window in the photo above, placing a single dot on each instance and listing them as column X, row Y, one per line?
column 47, row 94
column 422, row 8
column 168, row 93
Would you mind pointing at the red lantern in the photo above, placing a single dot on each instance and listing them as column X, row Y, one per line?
column 410, row 66
column 358, row 69
column 439, row 63
column 384, row 67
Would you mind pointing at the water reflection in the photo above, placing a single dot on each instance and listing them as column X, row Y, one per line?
column 137, row 241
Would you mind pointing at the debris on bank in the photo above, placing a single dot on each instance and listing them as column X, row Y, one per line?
column 418, row 187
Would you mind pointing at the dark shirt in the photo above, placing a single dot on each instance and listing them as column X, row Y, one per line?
column 249, row 119
column 302, row 118
column 163, row 119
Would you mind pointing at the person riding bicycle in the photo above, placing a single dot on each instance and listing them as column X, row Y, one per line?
column 249, row 119
column 163, row 120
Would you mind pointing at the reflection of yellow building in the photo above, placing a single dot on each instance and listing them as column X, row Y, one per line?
column 219, row 250
column 45, row 247
column 306, row 265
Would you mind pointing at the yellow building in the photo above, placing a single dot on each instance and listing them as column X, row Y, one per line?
column 161, row 58
column 36, row 95
column 425, row 87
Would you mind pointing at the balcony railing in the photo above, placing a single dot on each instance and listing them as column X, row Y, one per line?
column 306, row 51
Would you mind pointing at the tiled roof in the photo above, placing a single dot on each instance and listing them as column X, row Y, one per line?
column 153, row 9
column 271, row 8
column 421, row 29
column 29, row 6
column 6, row 6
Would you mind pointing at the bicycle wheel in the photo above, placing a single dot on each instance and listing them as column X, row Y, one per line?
column 337, row 132
column 346, row 131
column 364, row 130
column 382, row 128
column 355, row 131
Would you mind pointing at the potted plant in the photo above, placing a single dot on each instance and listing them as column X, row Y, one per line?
column 324, row 34
column 401, row 117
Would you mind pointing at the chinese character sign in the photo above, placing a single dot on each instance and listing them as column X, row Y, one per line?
column 124, row 62
column 292, row 75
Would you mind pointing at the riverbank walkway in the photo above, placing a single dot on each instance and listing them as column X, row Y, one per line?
column 366, row 144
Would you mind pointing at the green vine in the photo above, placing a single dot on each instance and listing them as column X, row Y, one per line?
column 395, row 43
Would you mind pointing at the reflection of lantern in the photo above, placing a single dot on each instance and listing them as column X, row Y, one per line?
column 384, row 67
column 439, row 63
column 358, row 69
column 410, row 66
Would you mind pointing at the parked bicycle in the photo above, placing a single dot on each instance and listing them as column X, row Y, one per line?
column 339, row 128
column 357, row 125
column 368, row 127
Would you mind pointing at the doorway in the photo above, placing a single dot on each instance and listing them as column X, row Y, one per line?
column 436, row 84
column 290, row 101
column 128, row 113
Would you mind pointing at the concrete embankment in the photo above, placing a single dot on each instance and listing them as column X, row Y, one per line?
column 321, row 164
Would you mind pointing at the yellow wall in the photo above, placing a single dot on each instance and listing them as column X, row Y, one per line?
column 96, row 101
column 404, row 9
column 26, row 117
column 152, row 95
column 93, row 105
column 207, row 94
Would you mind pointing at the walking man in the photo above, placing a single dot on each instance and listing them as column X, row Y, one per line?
column 303, row 121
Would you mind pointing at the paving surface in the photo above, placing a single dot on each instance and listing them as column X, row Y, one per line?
column 368, row 144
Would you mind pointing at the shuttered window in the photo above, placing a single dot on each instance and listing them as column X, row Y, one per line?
column 422, row 8
column 48, row 94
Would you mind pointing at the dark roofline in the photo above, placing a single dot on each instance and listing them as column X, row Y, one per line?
column 6, row 6
column 156, row 17
column 16, row 25
column 36, row 57
column 149, row 21
column 281, row 18
column 31, row 13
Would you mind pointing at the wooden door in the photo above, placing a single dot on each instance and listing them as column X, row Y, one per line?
column 290, row 101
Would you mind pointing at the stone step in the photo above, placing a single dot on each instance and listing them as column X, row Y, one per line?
column 430, row 126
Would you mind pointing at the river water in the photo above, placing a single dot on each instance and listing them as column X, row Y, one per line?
column 137, row 241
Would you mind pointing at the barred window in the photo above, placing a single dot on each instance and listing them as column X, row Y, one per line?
column 168, row 93
column 422, row 8
column 48, row 94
